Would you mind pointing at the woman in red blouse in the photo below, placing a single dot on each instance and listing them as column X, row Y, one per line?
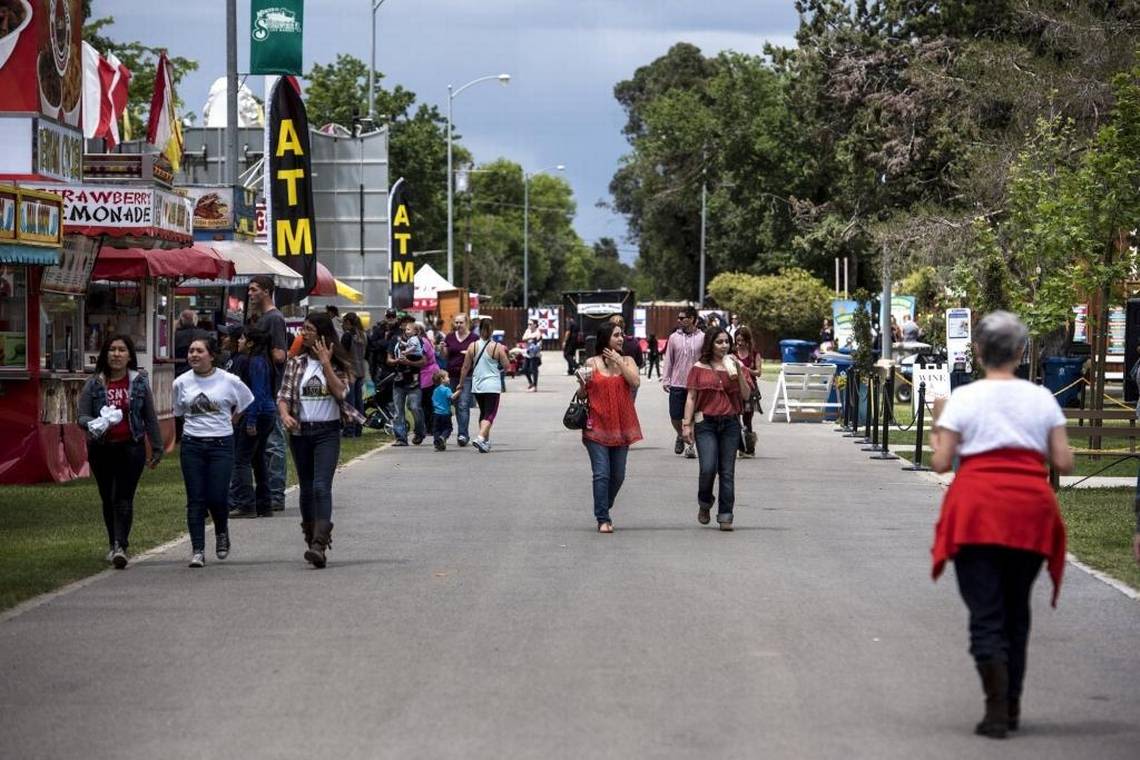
column 712, row 421
column 605, row 381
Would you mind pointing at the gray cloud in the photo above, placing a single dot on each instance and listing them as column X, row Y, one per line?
column 564, row 58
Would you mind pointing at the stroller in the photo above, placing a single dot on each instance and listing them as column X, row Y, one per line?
column 379, row 408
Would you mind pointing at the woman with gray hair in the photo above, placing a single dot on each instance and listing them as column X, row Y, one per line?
column 1000, row 518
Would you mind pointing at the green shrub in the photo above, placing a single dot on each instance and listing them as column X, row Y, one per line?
column 791, row 304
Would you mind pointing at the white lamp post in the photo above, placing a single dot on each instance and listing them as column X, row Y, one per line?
column 526, row 232
column 372, row 67
column 452, row 95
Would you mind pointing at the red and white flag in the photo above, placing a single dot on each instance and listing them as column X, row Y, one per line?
column 163, row 130
column 104, row 95
column 117, row 93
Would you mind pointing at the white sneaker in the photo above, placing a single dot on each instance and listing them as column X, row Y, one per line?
column 481, row 445
column 198, row 560
column 110, row 554
column 690, row 452
column 119, row 558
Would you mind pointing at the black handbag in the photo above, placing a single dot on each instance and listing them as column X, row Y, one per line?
column 576, row 413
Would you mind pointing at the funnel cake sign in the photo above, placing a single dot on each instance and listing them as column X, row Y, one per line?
column 41, row 66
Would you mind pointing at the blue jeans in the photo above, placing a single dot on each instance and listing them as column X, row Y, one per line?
column 530, row 369
column 441, row 427
column 411, row 398
column 356, row 398
column 250, row 466
column 316, row 450
column 276, row 462
column 608, row 466
column 207, row 464
column 717, row 439
column 463, row 407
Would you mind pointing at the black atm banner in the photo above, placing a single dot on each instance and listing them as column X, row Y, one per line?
column 291, row 222
column 403, row 287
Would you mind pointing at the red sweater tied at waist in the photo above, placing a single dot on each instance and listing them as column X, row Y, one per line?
column 1002, row 498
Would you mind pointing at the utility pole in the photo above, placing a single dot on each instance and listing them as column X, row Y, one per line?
column 704, row 219
column 232, row 172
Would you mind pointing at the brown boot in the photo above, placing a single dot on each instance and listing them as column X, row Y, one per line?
column 307, row 529
column 995, row 682
column 322, row 541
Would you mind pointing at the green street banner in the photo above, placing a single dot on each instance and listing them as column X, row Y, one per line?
column 275, row 36
column 402, row 288
column 290, row 215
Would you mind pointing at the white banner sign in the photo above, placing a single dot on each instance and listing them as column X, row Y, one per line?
column 937, row 379
column 129, row 209
column 639, row 320
column 958, row 332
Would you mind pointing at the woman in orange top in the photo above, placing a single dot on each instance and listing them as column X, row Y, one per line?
column 605, row 381
column 715, row 400
column 1000, row 518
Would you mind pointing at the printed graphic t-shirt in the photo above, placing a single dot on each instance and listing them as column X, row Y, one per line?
column 317, row 404
column 209, row 402
column 119, row 395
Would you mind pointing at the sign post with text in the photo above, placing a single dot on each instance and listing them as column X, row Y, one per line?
column 291, row 222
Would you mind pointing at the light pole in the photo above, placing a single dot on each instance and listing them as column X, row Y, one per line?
column 526, row 231
column 452, row 95
column 372, row 65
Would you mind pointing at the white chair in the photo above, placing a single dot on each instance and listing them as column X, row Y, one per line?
column 803, row 390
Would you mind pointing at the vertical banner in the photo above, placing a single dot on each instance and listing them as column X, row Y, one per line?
column 275, row 36
column 958, row 338
column 401, row 292
column 291, row 222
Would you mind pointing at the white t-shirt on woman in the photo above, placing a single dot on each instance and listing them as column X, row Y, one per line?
column 1001, row 414
column 209, row 402
column 317, row 403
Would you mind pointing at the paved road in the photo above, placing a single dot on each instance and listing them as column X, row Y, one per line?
column 471, row 611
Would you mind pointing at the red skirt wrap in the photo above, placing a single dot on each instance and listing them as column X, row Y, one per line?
column 1002, row 498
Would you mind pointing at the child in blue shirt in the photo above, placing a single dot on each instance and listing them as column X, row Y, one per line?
column 441, row 405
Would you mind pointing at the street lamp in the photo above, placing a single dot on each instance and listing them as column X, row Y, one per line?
column 526, row 231
column 372, row 67
column 503, row 79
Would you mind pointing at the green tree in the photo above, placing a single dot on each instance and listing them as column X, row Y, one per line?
column 791, row 304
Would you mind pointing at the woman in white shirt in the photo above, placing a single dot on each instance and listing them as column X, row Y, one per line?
column 313, row 404
column 209, row 400
column 1000, row 518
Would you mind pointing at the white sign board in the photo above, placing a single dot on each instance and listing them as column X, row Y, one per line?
column 958, row 336
column 640, row 317
column 937, row 379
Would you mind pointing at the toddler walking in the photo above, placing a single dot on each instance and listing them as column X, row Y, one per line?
column 441, row 405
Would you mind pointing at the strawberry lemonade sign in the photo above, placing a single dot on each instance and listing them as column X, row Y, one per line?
column 120, row 211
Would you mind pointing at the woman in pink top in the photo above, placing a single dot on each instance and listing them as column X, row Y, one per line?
column 605, row 381
column 427, row 376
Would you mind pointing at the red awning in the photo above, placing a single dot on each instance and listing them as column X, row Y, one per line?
column 200, row 262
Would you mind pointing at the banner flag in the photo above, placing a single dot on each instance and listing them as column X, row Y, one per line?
column 402, row 284
column 163, row 129
column 291, row 216
column 275, row 36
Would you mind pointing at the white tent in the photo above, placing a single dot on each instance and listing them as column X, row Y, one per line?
column 427, row 284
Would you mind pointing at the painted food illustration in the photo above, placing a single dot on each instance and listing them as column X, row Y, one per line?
column 15, row 15
column 211, row 207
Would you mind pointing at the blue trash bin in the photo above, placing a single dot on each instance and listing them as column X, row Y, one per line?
column 1061, row 372
column 843, row 363
column 796, row 351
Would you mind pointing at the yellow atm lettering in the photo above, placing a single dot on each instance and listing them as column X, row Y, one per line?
column 291, row 176
column 288, row 140
column 401, row 215
column 293, row 241
column 403, row 271
column 403, row 237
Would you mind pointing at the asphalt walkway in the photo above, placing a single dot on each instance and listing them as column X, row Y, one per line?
column 470, row 610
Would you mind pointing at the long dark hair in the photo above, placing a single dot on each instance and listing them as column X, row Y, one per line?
column 602, row 337
column 486, row 327
column 103, row 366
column 711, row 335
column 256, row 342
column 744, row 335
column 323, row 323
column 352, row 323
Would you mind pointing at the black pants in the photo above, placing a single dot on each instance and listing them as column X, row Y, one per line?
column 316, row 451
column 654, row 364
column 427, row 406
column 571, row 365
column 117, row 468
column 995, row 583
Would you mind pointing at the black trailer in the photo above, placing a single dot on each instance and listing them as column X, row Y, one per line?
column 591, row 308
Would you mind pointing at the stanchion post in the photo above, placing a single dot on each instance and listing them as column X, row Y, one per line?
column 866, row 439
column 852, row 404
column 844, row 404
column 917, row 465
column 873, row 421
column 888, row 405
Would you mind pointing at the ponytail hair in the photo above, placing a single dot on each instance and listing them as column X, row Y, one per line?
column 485, row 328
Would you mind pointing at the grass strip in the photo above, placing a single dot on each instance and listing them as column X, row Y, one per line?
column 53, row 533
column 1101, row 523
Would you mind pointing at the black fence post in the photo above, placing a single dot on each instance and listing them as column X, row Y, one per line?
column 916, row 465
column 873, row 420
column 866, row 439
column 853, row 380
column 888, row 416
column 844, row 404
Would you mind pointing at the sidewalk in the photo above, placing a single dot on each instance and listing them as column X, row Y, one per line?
column 470, row 610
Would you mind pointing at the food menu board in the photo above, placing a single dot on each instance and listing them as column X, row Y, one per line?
column 41, row 60
column 1116, row 321
column 77, row 259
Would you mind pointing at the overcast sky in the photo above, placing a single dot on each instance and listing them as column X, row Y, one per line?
column 563, row 57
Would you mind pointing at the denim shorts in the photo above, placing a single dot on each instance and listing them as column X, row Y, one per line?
column 677, row 398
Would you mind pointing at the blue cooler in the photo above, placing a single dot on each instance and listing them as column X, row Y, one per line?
column 842, row 362
column 796, row 351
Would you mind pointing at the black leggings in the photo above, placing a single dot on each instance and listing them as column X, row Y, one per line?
column 117, row 468
column 995, row 583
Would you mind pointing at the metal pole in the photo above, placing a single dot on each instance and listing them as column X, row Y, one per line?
column 916, row 465
column 372, row 69
column 526, row 244
column 231, row 94
column 888, row 405
column 853, row 380
column 450, row 241
column 885, row 337
column 873, row 417
column 845, row 282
